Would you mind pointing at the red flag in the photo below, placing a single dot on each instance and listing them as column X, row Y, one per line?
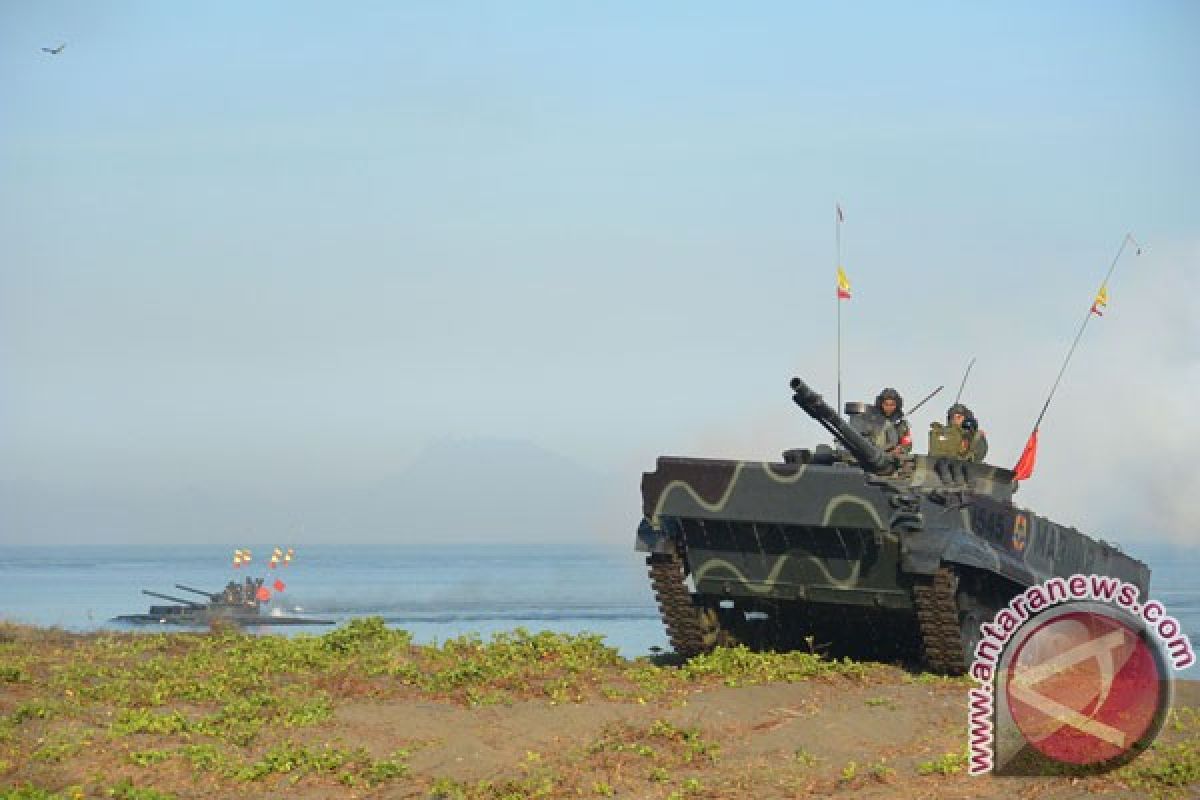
column 263, row 594
column 1024, row 468
column 279, row 585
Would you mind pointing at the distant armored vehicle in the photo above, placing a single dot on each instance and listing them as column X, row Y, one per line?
column 871, row 553
column 237, row 604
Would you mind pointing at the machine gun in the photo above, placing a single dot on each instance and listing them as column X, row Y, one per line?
column 869, row 457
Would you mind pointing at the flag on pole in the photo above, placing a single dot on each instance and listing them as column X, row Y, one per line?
column 279, row 585
column 1024, row 468
column 1101, row 301
column 843, row 285
column 263, row 594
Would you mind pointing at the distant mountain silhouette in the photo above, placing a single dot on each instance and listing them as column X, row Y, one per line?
column 476, row 489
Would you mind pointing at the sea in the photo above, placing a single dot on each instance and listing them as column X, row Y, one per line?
column 436, row 592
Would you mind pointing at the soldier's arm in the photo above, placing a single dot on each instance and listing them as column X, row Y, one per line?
column 979, row 447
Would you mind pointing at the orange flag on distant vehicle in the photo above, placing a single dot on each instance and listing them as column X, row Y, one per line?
column 279, row 585
column 263, row 594
column 843, row 285
column 1024, row 468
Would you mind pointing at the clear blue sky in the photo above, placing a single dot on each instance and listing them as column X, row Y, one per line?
column 277, row 246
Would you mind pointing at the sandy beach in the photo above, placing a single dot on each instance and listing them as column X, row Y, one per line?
column 362, row 712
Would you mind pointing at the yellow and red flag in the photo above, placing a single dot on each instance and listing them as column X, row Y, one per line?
column 1024, row 468
column 1101, row 301
column 843, row 285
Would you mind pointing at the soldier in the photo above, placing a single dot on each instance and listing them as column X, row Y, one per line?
column 975, row 440
column 950, row 445
column 250, row 592
column 890, row 406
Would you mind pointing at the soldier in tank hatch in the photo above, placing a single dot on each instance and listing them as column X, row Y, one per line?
column 974, row 440
column 890, row 405
column 950, row 445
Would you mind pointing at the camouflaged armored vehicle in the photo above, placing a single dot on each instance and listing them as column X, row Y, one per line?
column 865, row 552
column 238, row 604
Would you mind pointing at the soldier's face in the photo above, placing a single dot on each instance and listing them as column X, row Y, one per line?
column 888, row 406
column 958, row 419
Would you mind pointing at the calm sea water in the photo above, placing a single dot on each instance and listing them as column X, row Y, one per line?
column 436, row 592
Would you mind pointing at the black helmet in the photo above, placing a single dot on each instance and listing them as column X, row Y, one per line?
column 890, row 393
column 958, row 408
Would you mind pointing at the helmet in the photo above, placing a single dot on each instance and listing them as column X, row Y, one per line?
column 958, row 408
column 890, row 394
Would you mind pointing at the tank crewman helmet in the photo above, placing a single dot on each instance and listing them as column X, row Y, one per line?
column 958, row 408
column 890, row 394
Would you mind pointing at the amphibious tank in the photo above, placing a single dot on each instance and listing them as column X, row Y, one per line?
column 849, row 548
column 238, row 604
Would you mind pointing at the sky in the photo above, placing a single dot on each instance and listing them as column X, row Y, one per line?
column 258, row 259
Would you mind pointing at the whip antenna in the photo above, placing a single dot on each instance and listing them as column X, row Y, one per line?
column 963, row 385
column 1024, row 466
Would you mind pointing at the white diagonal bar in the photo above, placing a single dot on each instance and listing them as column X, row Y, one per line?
column 1067, row 716
column 1028, row 676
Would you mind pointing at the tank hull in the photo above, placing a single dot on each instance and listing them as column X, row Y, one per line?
column 832, row 550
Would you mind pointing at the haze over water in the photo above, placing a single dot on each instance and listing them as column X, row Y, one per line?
column 435, row 592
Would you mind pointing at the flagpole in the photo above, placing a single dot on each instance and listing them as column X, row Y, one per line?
column 1087, row 318
column 1025, row 463
column 837, row 227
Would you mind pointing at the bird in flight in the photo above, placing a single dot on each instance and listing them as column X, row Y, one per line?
column 54, row 50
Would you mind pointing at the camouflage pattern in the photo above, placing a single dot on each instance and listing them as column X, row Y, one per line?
column 796, row 537
column 760, row 529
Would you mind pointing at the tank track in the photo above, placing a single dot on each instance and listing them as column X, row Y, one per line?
column 691, row 629
column 937, row 615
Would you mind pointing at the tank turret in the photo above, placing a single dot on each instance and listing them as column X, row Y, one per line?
column 869, row 457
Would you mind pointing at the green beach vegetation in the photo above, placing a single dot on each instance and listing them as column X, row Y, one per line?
column 218, row 713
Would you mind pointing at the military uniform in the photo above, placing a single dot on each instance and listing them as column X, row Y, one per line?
column 975, row 440
column 903, row 439
column 947, row 441
column 951, row 445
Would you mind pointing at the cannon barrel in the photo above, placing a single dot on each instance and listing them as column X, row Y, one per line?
column 190, row 603
column 209, row 595
column 870, row 457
